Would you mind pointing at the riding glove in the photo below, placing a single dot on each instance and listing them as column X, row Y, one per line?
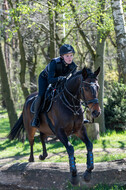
column 61, row 78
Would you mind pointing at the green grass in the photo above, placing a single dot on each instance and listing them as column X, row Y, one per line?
column 4, row 124
column 97, row 187
column 111, row 139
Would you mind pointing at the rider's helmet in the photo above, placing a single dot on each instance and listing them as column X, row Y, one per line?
column 66, row 48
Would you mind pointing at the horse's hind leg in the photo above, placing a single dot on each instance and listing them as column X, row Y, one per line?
column 42, row 137
column 31, row 134
column 31, row 158
column 90, row 163
column 70, row 150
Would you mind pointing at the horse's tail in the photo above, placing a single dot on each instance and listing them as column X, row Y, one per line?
column 17, row 132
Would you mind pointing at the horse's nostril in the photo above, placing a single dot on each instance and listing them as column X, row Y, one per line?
column 95, row 113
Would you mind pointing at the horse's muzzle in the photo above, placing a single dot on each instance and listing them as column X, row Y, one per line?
column 95, row 113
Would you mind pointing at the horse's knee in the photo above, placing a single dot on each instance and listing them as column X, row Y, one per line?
column 70, row 149
column 90, row 146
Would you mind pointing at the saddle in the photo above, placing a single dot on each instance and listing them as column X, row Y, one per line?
column 48, row 100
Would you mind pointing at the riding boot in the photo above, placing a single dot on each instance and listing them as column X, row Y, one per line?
column 36, row 122
column 86, row 121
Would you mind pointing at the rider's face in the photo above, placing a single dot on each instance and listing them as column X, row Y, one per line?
column 68, row 58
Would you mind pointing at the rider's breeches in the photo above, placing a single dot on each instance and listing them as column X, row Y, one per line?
column 42, row 84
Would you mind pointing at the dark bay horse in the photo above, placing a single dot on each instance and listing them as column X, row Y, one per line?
column 66, row 116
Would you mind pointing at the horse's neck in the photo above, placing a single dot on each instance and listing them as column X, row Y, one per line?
column 73, row 85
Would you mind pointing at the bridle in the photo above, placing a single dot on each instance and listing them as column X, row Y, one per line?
column 94, row 100
column 75, row 107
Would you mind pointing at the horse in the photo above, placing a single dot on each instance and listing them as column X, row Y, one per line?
column 65, row 118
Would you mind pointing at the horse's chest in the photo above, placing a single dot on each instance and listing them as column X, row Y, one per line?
column 73, row 125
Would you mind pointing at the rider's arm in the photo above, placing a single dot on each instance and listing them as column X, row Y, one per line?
column 51, row 73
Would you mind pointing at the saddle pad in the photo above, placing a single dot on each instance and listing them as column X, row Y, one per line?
column 32, row 110
column 46, row 104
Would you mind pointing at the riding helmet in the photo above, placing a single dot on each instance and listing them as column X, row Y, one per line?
column 66, row 48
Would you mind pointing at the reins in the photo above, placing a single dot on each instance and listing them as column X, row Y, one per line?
column 73, row 107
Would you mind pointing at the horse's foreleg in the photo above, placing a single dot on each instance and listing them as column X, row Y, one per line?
column 90, row 162
column 70, row 150
column 42, row 137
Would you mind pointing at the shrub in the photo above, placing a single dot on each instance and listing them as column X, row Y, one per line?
column 115, row 107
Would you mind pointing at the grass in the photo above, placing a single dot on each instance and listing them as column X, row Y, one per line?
column 97, row 187
column 110, row 140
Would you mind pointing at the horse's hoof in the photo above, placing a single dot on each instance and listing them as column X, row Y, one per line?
column 31, row 160
column 41, row 157
column 74, row 180
column 87, row 176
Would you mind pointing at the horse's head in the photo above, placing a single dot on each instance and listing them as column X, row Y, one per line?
column 89, row 91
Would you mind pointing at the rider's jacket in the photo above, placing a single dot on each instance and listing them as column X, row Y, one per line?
column 56, row 68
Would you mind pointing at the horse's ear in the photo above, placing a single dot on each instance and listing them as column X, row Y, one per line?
column 97, row 72
column 84, row 73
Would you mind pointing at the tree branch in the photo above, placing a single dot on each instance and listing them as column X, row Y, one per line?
column 82, row 33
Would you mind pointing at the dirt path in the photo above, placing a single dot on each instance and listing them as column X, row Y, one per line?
column 47, row 176
column 56, row 175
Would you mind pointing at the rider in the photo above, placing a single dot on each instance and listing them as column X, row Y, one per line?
column 54, row 72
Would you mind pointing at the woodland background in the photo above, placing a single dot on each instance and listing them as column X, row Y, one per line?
column 31, row 33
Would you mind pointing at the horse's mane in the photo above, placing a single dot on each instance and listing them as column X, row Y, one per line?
column 88, row 71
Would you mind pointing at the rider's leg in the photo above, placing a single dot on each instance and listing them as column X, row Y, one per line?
column 43, row 83
column 35, row 121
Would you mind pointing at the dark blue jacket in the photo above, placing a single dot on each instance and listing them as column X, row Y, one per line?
column 56, row 68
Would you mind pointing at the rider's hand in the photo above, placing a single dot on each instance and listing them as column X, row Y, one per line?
column 61, row 78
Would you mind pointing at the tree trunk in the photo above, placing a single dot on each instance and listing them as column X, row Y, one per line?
column 120, row 30
column 23, row 66
column 99, row 61
column 32, row 68
column 52, row 47
column 7, row 94
column 15, row 58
